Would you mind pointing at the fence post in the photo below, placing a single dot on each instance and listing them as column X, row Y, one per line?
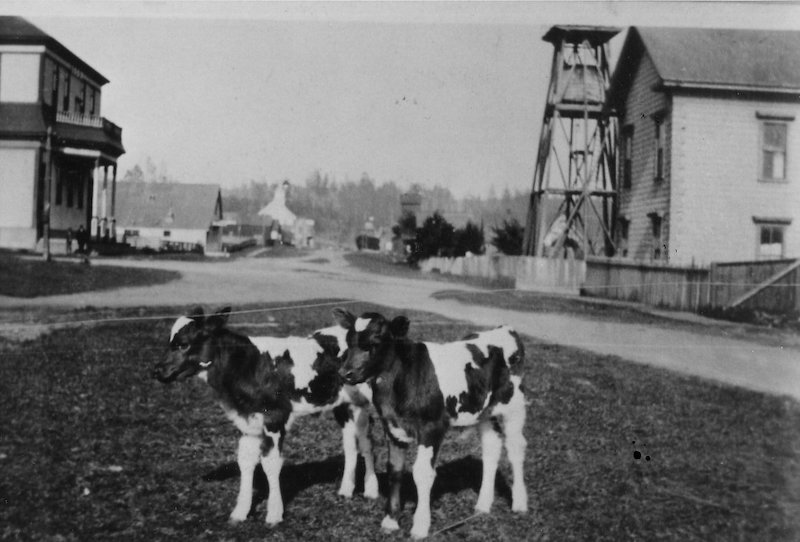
column 712, row 282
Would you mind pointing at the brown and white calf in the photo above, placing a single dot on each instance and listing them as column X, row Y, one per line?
column 263, row 384
column 420, row 389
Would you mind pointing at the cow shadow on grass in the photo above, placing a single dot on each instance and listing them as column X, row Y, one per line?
column 452, row 477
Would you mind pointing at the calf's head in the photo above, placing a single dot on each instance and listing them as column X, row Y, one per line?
column 368, row 336
column 191, row 345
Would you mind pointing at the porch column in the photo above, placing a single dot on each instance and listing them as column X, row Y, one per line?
column 94, row 227
column 104, row 204
column 114, row 202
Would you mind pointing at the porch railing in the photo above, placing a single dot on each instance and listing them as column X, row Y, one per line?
column 79, row 119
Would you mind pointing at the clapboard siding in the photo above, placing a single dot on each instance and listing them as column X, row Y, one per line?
column 716, row 190
column 646, row 194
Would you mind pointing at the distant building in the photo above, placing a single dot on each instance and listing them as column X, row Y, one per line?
column 50, row 123
column 169, row 216
column 282, row 225
column 707, row 164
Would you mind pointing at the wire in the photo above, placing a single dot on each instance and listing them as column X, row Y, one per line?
column 174, row 316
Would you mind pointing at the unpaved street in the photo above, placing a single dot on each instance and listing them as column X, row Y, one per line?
column 772, row 369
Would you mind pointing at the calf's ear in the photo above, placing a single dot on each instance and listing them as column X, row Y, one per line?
column 197, row 315
column 399, row 327
column 218, row 319
column 344, row 318
column 223, row 313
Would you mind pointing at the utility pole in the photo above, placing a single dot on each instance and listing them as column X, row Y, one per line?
column 48, row 172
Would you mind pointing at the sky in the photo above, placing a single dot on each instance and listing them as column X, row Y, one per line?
column 448, row 93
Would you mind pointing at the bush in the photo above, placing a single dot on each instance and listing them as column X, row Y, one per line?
column 468, row 239
column 434, row 238
column 508, row 238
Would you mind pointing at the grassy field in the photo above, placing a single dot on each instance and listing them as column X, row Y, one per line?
column 91, row 448
column 33, row 277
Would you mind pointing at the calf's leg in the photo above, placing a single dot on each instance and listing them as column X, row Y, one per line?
column 361, row 416
column 345, row 414
column 247, row 458
column 514, row 422
column 397, row 458
column 491, row 448
column 424, row 474
column 271, row 462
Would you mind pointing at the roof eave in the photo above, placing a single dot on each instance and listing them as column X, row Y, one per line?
column 674, row 84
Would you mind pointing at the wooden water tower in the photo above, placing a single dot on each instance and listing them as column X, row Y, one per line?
column 572, row 202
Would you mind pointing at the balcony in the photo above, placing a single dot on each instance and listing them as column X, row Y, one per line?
column 87, row 131
column 79, row 119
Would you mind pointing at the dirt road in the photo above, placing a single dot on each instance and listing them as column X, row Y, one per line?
column 771, row 369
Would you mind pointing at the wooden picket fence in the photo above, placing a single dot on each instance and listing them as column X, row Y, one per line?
column 528, row 272
column 772, row 285
column 677, row 287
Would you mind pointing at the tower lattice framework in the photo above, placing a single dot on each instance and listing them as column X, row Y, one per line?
column 572, row 206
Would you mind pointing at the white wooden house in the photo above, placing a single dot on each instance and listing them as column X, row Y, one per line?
column 709, row 154
column 58, row 155
column 174, row 216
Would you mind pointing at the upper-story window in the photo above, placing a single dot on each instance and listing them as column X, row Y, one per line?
column 20, row 77
column 80, row 100
column 66, row 90
column 660, row 143
column 92, row 101
column 54, row 87
column 773, row 150
column 627, row 155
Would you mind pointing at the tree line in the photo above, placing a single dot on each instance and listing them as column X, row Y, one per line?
column 341, row 208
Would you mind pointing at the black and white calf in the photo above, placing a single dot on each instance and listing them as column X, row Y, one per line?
column 263, row 384
column 421, row 388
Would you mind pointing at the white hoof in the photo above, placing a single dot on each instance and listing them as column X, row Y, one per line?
column 237, row 516
column 275, row 517
column 346, row 490
column 519, row 502
column 419, row 534
column 483, row 507
column 371, row 487
column 389, row 524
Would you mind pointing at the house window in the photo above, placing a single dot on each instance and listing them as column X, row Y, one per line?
column 20, row 78
column 656, row 225
column 79, row 194
column 167, row 233
column 54, row 89
column 70, row 191
column 66, row 85
column 59, row 189
column 80, row 101
column 623, row 227
column 770, row 244
column 660, row 142
column 627, row 156
column 92, row 102
column 773, row 150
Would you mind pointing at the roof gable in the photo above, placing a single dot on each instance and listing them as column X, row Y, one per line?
column 714, row 59
column 167, row 205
